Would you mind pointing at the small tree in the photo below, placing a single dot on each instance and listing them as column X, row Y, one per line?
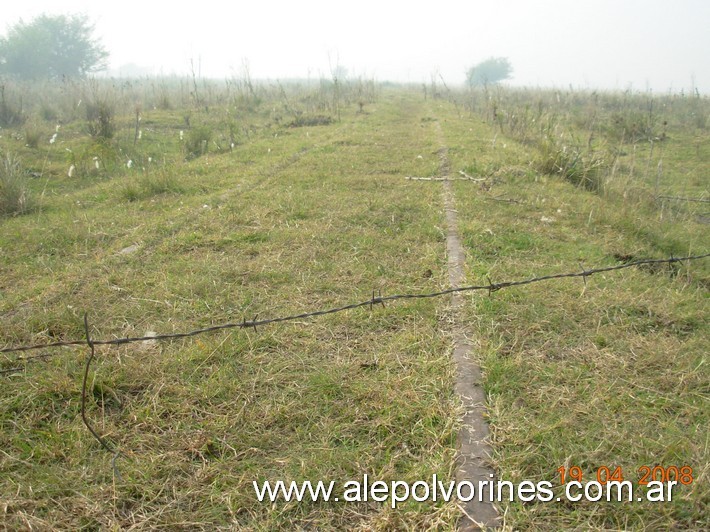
column 51, row 47
column 490, row 71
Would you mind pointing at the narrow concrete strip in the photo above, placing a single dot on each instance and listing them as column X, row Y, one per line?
column 473, row 448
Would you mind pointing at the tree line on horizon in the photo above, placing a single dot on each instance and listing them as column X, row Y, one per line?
column 63, row 46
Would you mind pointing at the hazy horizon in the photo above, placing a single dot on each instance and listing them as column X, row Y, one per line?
column 593, row 44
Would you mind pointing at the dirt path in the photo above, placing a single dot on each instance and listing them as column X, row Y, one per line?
column 473, row 448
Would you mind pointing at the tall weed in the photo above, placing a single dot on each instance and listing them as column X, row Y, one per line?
column 14, row 195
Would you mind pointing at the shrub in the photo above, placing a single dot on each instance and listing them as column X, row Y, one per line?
column 14, row 196
column 161, row 182
column 32, row 136
column 700, row 120
column 131, row 191
column 579, row 167
column 630, row 126
column 48, row 112
column 309, row 121
column 10, row 114
column 152, row 184
column 197, row 142
column 100, row 119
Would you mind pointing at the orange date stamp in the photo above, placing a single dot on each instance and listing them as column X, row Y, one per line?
column 680, row 475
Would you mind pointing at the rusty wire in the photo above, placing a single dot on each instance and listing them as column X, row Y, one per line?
column 84, row 382
column 374, row 300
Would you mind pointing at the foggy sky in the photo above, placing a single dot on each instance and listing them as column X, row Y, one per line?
column 609, row 44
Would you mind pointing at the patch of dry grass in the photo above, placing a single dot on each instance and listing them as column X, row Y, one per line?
column 608, row 374
column 290, row 221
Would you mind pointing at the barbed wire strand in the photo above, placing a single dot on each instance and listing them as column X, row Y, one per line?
column 89, row 426
column 374, row 300
column 490, row 287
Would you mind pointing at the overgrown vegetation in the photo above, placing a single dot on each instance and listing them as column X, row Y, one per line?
column 198, row 141
column 10, row 110
column 185, row 202
column 14, row 193
column 611, row 372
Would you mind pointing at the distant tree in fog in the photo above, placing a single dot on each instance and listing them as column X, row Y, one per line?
column 51, row 47
column 490, row 71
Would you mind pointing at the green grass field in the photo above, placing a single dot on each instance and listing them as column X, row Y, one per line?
column 190, row 210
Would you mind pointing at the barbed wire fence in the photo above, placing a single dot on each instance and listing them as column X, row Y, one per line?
column 255, row 322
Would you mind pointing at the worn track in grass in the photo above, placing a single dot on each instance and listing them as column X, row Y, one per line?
column 473, row 448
